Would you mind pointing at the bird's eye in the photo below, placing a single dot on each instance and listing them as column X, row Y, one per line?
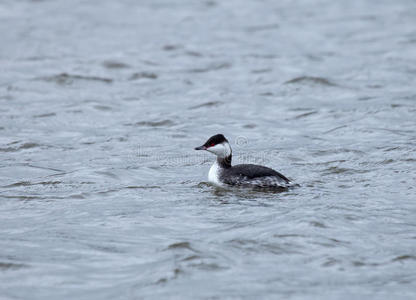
column 212, row 145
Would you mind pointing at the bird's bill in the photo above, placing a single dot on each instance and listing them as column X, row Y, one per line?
column 201, row 148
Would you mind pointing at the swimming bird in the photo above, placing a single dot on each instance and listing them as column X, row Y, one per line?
column 223, row 173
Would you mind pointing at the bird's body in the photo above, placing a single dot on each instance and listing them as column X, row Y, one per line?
column 223, row 173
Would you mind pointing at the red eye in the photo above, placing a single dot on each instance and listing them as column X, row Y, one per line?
column 212, row 145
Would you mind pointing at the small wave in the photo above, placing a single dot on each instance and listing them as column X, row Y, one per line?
column 28, row 183
column 211, row 67
column 112, row 64
column 144, row 187
column 106, row 248
column 266, row 94
column 175, row 273
column 206, row 266
column 250, row 246
column 11, row 266
column 180, row 245
column 107, row 173
column 404, row 257
column 258, row 71
column 336, row 151
column 365, row 98
column 25, row 198
column 289, row 235
column 103, row 107
column 140, row 75
column 67, row 79
column 358, row 263
column 192, row 257
column 250, row 126
column 207, row 104
column 340, row 170
column 304, row 115
column 262, row 27
column 193, row 53
column 21, row 147
column 330, row 262
column 45, row 115
column 162, row 123
column 335, row 129
column 311, row 80
column 171, row 47
column 317, row 224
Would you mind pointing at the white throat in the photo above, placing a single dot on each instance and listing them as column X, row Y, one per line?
column 214, row 174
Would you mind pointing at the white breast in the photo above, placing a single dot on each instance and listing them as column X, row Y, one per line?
column 213, row 175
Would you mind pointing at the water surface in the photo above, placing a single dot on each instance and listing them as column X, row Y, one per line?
column 103, row 197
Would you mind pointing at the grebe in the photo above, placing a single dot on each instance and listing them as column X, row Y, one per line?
column 222, row 173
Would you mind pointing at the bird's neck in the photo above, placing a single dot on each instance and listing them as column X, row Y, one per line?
column 224, row 157
column 224, row 162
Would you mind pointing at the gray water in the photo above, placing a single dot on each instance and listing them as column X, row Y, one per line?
column 103, row 197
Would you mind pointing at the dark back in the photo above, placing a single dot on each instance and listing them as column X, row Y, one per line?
column 251, row 171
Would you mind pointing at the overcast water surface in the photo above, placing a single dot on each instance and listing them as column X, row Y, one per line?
column 103, row 197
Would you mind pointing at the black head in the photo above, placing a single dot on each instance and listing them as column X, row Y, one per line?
column 212, row 141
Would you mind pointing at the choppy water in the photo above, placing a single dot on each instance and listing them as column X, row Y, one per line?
column 102, row 103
